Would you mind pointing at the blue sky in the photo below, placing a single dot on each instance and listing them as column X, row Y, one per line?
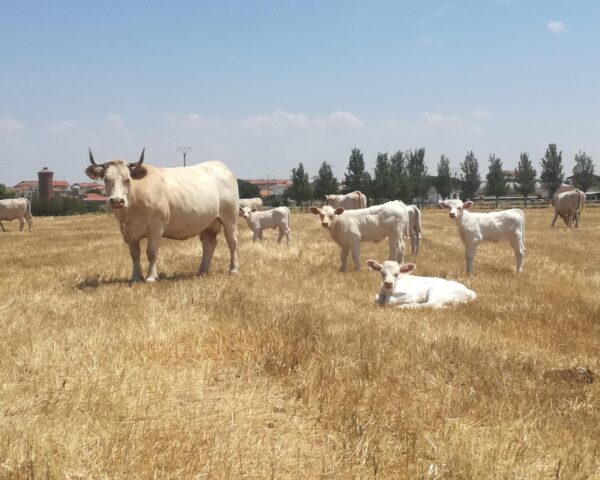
column 265, row 85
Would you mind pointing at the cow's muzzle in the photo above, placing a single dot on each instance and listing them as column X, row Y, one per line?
column 452, row 215
column 324, row 225
column 116, row 202
column 388, row 285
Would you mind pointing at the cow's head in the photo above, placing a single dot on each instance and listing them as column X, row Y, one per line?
column 456, row 207
column 390, row 271
column 327, row 213
column 117, row 176
column 246, row 211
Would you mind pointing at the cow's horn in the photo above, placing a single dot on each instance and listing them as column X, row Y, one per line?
column 92, row 161
column 141, row 160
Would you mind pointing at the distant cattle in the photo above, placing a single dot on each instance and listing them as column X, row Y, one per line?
column 569, row 205
column 252, row 203
column 350, row 201
column 414, row 228
column 348, row 228
column 404, row 290
column 277, row 218
column 475, row 228
column 16, row 209
column 177, row 203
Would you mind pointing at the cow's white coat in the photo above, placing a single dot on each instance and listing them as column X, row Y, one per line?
column 16, row 209
column 277, row 218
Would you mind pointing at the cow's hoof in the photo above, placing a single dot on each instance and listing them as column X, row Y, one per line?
column 151, row 279
column 136, row 279
column 234, row 271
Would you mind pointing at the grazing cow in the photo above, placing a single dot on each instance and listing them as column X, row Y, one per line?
column 252, row 203
column 350, row 201
column 475, row 228
column 401, row 288
column 569, row 206
column 177, row 203
column 275, row 218
column 348, row 228
column 414, row 228
column 16, row 209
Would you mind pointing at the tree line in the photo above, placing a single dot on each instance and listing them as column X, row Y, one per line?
column 404, row 176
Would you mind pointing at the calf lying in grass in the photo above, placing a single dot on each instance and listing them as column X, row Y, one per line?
column 404, row 290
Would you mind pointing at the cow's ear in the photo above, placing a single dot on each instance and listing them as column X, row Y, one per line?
column 408, row 268
column 467, row 204
column 315, row 210
column 443, row 204
column 374, row 265
column 253, row 210
column 240, row 211
column 138, row 172
column 95, row 172
column 339, row 210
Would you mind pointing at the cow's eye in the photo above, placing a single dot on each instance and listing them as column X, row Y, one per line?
column 396, row 275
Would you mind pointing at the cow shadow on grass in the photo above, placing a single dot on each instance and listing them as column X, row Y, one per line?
column 98, row 281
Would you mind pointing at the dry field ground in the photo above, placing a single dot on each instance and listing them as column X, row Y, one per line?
column 288, row 370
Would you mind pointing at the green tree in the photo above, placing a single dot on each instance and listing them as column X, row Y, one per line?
column 417, row 173
column 356, row 178
column 325, row 182
column 382, row 185
column 443, row 182
column 496, row 182
column 583, row 171
column 470, row 178
column 399, row 177
column 4, row 193
column 247, row 189
column 299, row 189
column 525, row 176
column 552, row 171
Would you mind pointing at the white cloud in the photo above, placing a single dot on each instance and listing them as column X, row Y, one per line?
column 481, row 115
column 437, row 119
column 556, row 26
column 423, row 40
column 62, row 127
column 280, row 119
column 10, row 126
column 114, row 120
column 189, row 121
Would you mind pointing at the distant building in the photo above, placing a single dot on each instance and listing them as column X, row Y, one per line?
column 271, row 186
column 27, row 188
column 85, row 187
column 94, row 198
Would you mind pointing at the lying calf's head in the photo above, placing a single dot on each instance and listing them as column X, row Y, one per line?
column 390, row 271
column 455, row 206
column 327, row 213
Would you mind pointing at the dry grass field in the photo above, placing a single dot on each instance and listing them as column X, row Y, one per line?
column 288, row 370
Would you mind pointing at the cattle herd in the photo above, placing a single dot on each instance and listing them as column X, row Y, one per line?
column 180, row 203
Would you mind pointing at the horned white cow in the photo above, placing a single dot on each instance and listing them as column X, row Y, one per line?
column 277, row 218
column 475, row 228
column 252, row 203
column 177, row 203
column 16, row 209
column 348, row 228
column 350, row 201
column 404, row 290
column 414, row 228
column 569, row 206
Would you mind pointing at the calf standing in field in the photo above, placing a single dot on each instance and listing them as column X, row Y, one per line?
column 275, row 218
column 16, row 209
column 475, row 228
column 569, row 206
column 350, row 227
column 404, row 290
column 350, row 201
column 414, row 228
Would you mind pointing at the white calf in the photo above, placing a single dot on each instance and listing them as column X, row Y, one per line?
column 16, row 209
column 350, row 227
column 401, row 288
column 275, row 218
column 475, row 228
column 414, row 228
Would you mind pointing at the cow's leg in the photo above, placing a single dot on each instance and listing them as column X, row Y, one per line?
column 2, row 226
column 554, row 219
column 519, row 248
column 344, row 259
column 280, row 235
column 287, row 233
column 29, row 220
column 470, row 251
column 134, row 251
column 356, row 254
column 577, row 218
column 152, row 254
column 396, row 243
column 417, row 243
column 231, row 237
column 209, row 243
column 21, row 224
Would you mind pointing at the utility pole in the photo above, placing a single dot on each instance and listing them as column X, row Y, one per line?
column 268, row 185
column 184, row 151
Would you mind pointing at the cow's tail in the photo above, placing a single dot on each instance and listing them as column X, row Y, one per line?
column 581, row 196
column 289, row 214
column 418, row 227
column 363, row 200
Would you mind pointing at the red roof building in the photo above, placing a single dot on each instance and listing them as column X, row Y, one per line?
column 94, row 198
